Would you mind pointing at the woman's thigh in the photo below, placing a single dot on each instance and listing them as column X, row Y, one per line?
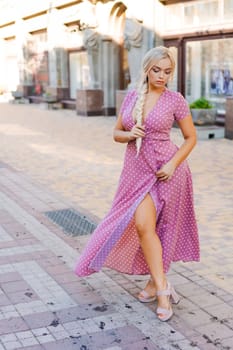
column 145, row 215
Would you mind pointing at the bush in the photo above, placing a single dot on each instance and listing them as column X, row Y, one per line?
column 201, row 103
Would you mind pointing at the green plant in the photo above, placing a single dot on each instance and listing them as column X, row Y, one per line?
column 201, row 103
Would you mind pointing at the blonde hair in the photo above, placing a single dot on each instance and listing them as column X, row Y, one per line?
column 151, row 57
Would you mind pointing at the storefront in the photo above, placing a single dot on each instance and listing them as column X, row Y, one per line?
column 70, row 45
column 203, row 43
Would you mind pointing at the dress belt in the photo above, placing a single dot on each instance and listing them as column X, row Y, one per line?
column 156, row 138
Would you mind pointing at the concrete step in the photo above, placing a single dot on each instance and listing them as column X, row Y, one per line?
column 210, row 132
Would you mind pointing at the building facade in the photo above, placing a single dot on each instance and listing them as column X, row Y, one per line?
column 60, row 46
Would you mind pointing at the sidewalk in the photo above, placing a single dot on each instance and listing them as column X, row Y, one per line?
column 55, row 160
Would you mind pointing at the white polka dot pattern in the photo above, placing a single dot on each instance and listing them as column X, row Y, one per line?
column 115, row 243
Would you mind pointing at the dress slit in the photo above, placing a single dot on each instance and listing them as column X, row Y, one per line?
column 99, row 260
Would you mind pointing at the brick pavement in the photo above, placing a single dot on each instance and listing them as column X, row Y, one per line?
column 53, row 160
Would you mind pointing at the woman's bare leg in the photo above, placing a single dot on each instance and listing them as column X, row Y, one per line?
column 150, row 288
column 145, row 221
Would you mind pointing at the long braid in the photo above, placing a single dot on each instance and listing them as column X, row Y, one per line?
column 152, row 56
column 139, row 107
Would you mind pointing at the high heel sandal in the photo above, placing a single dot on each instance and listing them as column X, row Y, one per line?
column 172, row 297
column 145, row 297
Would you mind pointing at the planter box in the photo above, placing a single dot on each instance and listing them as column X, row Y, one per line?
column 90, row 102
column 204, row 116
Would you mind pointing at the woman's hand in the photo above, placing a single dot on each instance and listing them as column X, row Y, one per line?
column 136, row 131
column 165, row 173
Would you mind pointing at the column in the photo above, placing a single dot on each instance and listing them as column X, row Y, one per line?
column 57, row 56
column 110, row 73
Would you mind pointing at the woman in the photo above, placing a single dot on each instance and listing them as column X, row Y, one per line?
column 152, row 221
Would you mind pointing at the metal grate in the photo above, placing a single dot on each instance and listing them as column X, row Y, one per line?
column 71, row 221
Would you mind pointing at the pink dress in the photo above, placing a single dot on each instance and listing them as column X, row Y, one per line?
column 115, row 243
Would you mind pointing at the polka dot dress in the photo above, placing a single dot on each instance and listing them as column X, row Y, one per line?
column 115, row 243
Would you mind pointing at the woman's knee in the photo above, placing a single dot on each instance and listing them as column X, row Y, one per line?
column 145, row 217
column 143, row 229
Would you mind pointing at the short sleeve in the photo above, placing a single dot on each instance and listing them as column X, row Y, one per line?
column 181, row 108
column 126, row 101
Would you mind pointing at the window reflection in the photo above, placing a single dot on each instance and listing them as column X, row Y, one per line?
column 201, row 13
column 209, row 69
column 228, row 8
column 193, row 14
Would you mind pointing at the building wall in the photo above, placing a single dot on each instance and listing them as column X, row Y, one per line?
column 59, row 46
column 82, row 43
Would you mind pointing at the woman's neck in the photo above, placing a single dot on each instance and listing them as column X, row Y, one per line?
column 156, row 91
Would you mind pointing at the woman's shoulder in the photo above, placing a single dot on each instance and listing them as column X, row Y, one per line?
column 175, row 95
column 130, row 96
column 131, row 93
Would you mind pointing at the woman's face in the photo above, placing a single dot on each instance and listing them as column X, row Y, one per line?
column 159, row 74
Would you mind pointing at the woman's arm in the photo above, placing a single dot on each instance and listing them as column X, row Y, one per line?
column 123, row 136
column 190, row 138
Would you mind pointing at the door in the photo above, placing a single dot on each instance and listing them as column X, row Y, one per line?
column 78, row 72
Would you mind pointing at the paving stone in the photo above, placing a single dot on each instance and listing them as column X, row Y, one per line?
column 195, row 318
column 65, row 344
column 215, row 331
column 204, row 343
column 10, row 277
column 4, row 300
column 8, row 338
column 13, row 325
column 66, row 277
column 87, row 298
column 34, row 347
column 42, row 319
column 82, row 312
column 139, row 345
column 11, row 287
column 221, row 311
column 189, row 289
column 45, row 338
column 105, row 339
column 29, row 342
column 227, row 344
column 22, row 296
column 12, row 345
column 206, row 299
column 57, row 270
column 24, row 335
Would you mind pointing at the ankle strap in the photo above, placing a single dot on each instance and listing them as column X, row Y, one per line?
column 163, row 292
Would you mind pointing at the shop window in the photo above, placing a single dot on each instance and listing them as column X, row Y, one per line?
column 228, row 8
column 173, row 83
column 201, row 13
column 10, row 71
column 209, row 70
column 36, row 61
column 78, row 72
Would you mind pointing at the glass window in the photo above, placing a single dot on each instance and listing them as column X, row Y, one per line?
column 201, row 13
column 228, row 8
column 209, row 69
column 173, row 82
column 79, row 72
column 10, row 71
